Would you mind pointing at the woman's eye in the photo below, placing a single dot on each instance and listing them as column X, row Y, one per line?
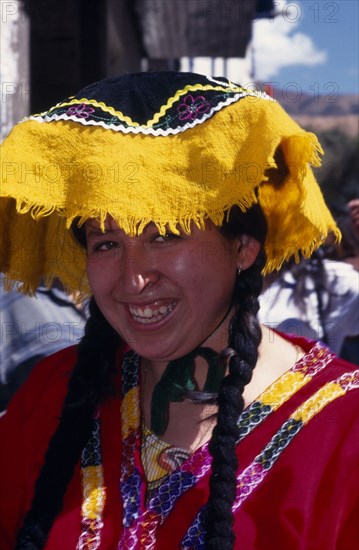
column 103, row 246
column 107, row 245
column 166, row 237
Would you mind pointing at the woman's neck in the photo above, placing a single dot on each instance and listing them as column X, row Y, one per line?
column 190, row 425
column 217, row 341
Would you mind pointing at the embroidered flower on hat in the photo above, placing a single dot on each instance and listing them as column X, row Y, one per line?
column 191, row 107
column 82, row 111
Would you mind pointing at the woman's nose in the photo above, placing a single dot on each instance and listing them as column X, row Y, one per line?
column 137, row 270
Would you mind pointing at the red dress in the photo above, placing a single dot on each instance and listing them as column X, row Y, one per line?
column 298, row 476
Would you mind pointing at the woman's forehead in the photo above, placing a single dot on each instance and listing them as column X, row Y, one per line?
column 110, row 224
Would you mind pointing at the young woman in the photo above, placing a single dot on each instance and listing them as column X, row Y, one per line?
column 178, row 422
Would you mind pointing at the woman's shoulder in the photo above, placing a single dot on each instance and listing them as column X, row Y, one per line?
column 47, row 383
column 316, row 359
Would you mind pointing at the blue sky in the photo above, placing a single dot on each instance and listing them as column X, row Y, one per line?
column 311, row 43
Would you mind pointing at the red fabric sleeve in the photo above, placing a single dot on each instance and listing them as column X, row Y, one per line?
column 25, row 430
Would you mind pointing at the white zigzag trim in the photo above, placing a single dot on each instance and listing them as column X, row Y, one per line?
column 142, row 129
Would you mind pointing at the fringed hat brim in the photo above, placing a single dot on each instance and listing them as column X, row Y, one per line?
column 58, row 171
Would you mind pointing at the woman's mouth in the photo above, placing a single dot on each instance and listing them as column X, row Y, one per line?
column 151, row 313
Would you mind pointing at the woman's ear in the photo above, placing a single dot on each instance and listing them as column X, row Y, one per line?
column 248, row 250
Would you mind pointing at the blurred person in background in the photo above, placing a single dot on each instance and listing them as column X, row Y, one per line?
column 348, row 251
column 319, row 297
column 33, row 327
column 316, row 298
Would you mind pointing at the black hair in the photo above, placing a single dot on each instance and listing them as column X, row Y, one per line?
column 242, row 353
column 89, row 385
column 92, row 382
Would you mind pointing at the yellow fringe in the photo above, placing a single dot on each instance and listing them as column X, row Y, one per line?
column 172, row 181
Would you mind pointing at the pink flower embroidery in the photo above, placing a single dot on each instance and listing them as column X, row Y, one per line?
column 191, row 107
column 82, row 111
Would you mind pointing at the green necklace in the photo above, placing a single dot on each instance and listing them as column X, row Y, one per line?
column 177, row 379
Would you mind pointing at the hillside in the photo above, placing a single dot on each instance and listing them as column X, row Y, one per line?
column 322, row 105
column 322, row 112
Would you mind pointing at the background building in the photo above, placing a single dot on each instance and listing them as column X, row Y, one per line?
column 52, row 48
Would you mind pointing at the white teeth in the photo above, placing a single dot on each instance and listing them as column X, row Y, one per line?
column 148, row 312
column 149, row 315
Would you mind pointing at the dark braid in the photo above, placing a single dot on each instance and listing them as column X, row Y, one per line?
column 89, row 384
column 244, row 339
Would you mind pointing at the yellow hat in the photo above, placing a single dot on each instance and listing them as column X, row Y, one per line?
column 169, row 148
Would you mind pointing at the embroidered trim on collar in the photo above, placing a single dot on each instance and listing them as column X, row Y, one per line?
column 142, row 521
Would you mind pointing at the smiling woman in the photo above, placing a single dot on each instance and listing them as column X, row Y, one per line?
column 148, row 286
column 178, row 421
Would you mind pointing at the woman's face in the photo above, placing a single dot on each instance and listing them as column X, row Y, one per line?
column 164, row 295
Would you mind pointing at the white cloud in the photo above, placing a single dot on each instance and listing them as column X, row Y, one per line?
column 277, row 44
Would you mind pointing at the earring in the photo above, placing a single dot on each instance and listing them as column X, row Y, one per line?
column 239, row 269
